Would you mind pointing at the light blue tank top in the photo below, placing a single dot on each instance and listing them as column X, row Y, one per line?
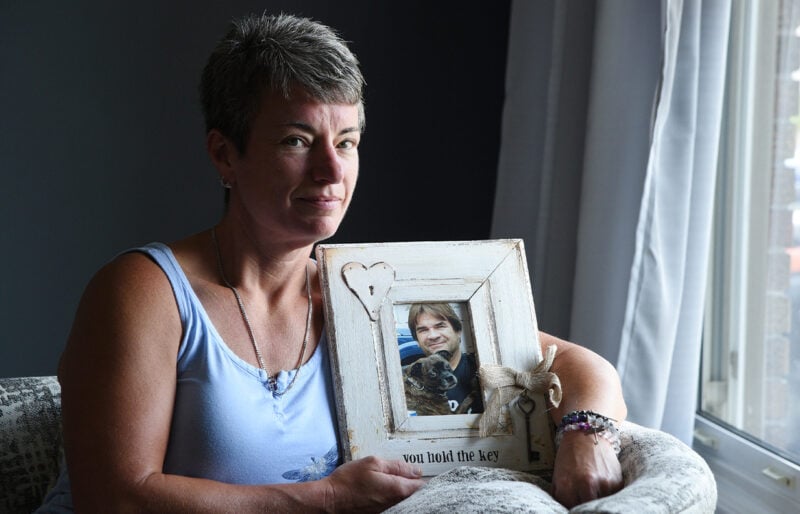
column 226, row 424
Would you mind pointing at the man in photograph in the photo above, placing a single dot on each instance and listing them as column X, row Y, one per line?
column 436, row 327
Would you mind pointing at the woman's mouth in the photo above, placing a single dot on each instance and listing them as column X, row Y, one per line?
column 322, row 202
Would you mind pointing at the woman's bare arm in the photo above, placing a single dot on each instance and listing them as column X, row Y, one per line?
column 588, row 380
column 585, row 468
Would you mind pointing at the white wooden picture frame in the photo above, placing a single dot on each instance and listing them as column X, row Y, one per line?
column 361, row 284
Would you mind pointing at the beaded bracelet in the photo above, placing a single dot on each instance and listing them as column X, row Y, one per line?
column 592, row 423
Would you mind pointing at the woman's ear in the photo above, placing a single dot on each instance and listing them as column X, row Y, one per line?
column 223, row 154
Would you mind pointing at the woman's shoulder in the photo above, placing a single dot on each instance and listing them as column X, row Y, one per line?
column 135, row 284
column 126, row 315
column 130, row 272
column 149, row 266
column 147, row 281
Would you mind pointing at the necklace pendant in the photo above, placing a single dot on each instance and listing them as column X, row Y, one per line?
column 272, row 384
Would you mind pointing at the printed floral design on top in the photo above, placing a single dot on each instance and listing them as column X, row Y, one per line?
column 320, row 467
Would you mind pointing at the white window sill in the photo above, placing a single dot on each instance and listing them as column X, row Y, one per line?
column 749, row 477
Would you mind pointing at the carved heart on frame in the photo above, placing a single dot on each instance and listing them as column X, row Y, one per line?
column 370, row 285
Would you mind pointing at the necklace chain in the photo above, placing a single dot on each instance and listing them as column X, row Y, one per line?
column 272, row 379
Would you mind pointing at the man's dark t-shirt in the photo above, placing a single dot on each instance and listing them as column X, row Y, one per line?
column 467, row 374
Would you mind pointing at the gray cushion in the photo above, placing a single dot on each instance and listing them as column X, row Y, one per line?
column 30, row 440
column 661, row 474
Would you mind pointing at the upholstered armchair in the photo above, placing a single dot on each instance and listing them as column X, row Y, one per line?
column 661, row 473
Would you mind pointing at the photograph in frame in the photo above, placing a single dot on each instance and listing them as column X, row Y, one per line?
column 474, row 308
column 438, row 361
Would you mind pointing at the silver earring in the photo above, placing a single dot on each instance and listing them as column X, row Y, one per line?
column 224, row 183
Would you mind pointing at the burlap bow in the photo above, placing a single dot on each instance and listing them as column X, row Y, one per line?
column 508, row 383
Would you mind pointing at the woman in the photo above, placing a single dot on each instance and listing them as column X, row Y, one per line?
column 228, row 428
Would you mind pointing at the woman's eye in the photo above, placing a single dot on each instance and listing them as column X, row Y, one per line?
column 293, row 141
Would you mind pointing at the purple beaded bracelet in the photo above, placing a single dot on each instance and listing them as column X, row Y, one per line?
column 589, row 422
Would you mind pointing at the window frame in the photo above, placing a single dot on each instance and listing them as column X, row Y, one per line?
column 750, row 477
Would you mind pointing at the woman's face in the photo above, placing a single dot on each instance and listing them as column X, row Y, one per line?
column 296, row 177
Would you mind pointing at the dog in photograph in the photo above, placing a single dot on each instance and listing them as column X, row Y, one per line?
column 427, row 381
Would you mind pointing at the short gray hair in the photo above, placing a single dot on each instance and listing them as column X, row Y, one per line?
column 262, row 53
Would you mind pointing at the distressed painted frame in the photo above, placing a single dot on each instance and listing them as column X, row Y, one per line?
column 360, row 285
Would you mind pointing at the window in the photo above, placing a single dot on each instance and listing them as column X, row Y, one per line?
column 748, row 427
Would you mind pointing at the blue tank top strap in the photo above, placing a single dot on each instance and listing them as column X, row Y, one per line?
column 163, row 256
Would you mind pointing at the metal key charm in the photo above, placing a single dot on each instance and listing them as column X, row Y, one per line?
column 527, row 406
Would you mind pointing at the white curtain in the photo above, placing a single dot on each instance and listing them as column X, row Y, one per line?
column 646, row 195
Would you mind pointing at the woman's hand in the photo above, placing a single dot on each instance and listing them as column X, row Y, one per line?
column 370, row 485
column 584, row 470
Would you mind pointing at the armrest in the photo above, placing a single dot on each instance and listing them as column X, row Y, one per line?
column 661, row 474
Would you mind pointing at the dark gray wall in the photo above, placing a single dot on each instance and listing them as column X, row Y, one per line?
column 101, row 143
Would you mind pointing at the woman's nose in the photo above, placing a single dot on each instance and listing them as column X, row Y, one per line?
column 327, row 165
